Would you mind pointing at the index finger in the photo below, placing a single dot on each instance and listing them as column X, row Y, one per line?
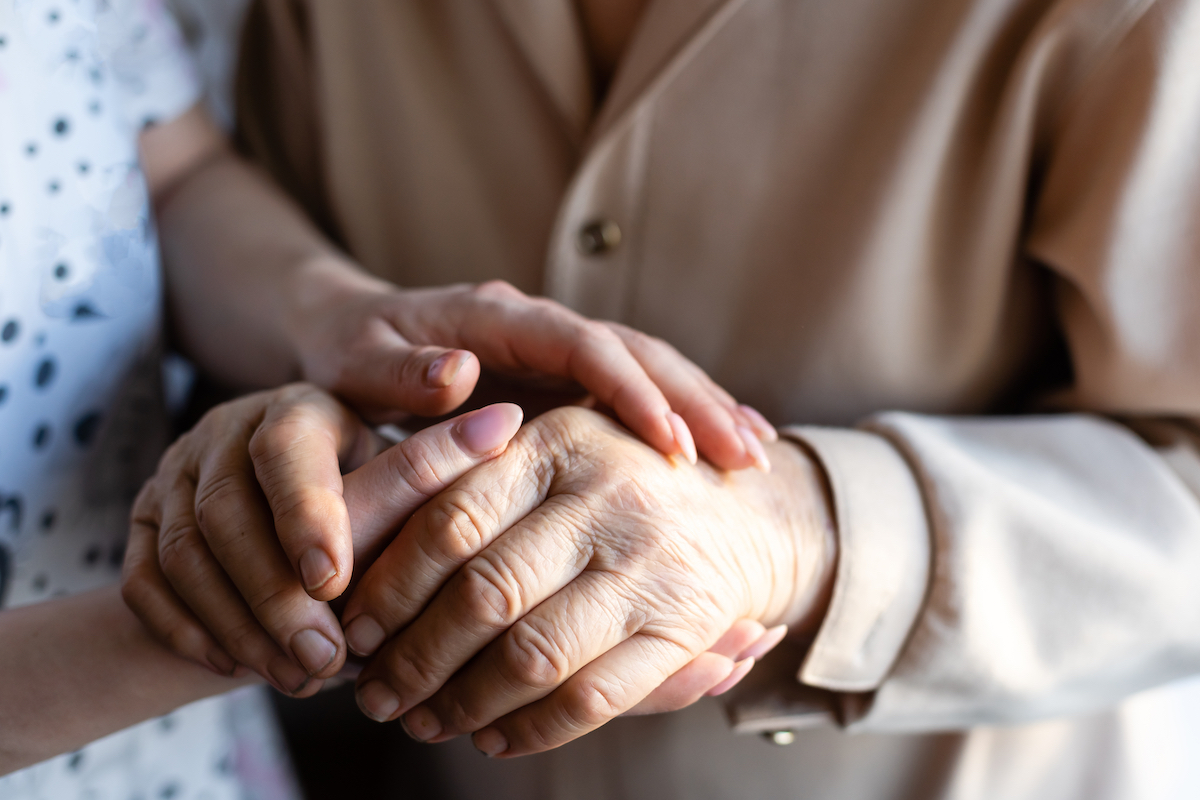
column 297, row 450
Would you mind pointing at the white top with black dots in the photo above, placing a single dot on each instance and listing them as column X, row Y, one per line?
column 81, row 413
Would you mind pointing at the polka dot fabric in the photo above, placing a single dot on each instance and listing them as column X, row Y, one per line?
column 81, row 413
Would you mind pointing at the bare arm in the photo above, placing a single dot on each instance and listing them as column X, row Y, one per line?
column 229, row 241
column 79, row 668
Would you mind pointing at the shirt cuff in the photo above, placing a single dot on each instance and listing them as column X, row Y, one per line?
column 883, row 564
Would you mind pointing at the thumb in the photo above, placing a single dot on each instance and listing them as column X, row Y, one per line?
column 383, row 493
column 386, row 382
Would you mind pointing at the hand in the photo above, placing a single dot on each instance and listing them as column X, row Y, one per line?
column 204, row 569
column 184, row 570
column 391, row 352
column 556, row 586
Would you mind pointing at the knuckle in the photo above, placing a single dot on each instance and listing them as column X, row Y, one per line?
column 593, row 333
column 633, row 338
column 592, row 702
column 498, row 290
column 457, row 524
column 279, row 437
column 219, row 500
column 145, row 505
column 137, row 590
column 218, row 418
column 389, row 595
column 532, row 659
column 271, row 602
column 418, row 463
column 307, row 509
column 180, row 550
column 245, row 640
column 412, row 669
column 487, row 596
column 535, row 731
column 458, row 718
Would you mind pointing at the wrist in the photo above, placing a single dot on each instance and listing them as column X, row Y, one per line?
column 802, row 504
column 317, row 287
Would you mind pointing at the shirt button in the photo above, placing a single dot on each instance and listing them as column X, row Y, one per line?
column 780, row 738
column 598, row 237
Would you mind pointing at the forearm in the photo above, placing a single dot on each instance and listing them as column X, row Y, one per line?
column 236, row 255
column 76, row 669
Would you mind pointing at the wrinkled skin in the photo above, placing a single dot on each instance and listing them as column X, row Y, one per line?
column 556, row 586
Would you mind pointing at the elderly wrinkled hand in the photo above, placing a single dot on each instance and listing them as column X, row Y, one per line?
column 556, row 586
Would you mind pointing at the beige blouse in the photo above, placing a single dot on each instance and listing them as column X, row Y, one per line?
column 960, row 236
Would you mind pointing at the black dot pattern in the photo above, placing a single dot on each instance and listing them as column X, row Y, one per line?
column 45, row 373
column 11, row 511
column 86, row 428
column 41, row 437
column 80, row 415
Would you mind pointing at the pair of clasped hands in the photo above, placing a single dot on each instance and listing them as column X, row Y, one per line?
column 523, row 584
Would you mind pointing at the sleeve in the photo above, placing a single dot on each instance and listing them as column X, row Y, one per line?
column 155, row 78
column 1002, row 570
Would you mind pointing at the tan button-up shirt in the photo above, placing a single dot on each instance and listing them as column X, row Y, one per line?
column 903, row 227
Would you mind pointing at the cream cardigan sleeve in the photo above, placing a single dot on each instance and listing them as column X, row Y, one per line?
column 1007, row 569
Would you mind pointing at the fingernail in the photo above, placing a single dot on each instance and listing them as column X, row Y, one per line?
column 445, row 368
column 488, row 429
column 490, row 742
column 754, row 448
column 288, row 677
column 421, row 724
column 316, row 568
column 683, row 436
column 377, row 700
column 364, row 635
column 765, row 430
column 221, row 662
column 740, row 670
column 313, row 650
column 765, row 644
